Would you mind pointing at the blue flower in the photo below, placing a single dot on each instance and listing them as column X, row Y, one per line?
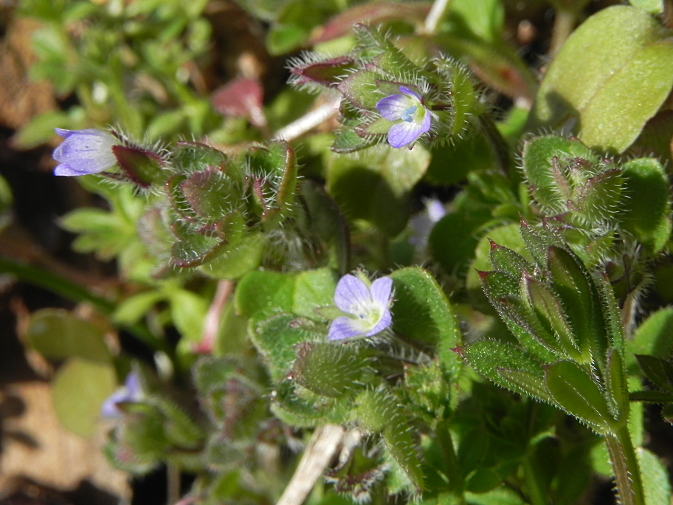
column 411, row 118
column 366, row 307
column 129, row 393
column 84, row 152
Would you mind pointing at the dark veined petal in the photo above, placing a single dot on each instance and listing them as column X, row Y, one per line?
column 381, row 291
column 404, row 133
column 351, row 295
column 392, row 107
column 344, row 327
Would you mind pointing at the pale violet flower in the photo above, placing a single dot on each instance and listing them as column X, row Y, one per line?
column 422, row 223
column 366, row 307
column 411, row 118
column 84, row 152
column 130, row 392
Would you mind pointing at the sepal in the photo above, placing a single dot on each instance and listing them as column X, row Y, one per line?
column 142, row 166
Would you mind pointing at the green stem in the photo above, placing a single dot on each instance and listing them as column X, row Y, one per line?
column 497, row 142
column 625, row 466
column 437, row 12
column 172, row 482
column 564, row 22
column 451, row 469
column 72, row 291
column 536, row 493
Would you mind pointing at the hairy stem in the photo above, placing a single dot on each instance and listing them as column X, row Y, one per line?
column 626, row 468
column 497, row 142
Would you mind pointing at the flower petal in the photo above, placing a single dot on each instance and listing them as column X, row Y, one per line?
column 66, row 170
column 427, row 121
column 66, row 133
column 84, row 152
column 132, row 385
column 352, row 295
column 392, row 107
column 410, row 92
column 344, row 327
column 404, row 133
column 381, row 291
column 109, row 408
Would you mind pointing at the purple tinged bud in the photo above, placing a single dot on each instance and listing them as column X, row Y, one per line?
column 84, row 152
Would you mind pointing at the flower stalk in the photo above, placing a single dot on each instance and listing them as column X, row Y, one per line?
column 626, row 468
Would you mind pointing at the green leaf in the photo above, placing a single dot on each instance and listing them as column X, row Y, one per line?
column 308, row 410
column 188, row 311
column 331, row 370
column 195, row 249
column 39, row 130
column 374, row 184
column 453, row 239
column 616, row 385
column 651, row 6
column 614, row 72
column 237, row 259
column 57, row 334
column 659, row 371
column 164, row 124
column 545, row 304
column 653, row 336
column 491, row 357
column 106, row 233
column 294, row 24
column 452, row 161
column 379, row 411
column 423, row 314
column 131, row 310
column 656, row 484
column 276, row 337
column 580, row 299
column 508, row 236
column 575, row 392
column 328, row 223
column 483, row 20
column 532, row 384
column 298, row 293
column 497, row 496
column 232, row 335
column 78, row 390
column 482, row 481
column 508, row 261
column 361, row 90
column 647, row 206
column 210, row 373
column 191, row 157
